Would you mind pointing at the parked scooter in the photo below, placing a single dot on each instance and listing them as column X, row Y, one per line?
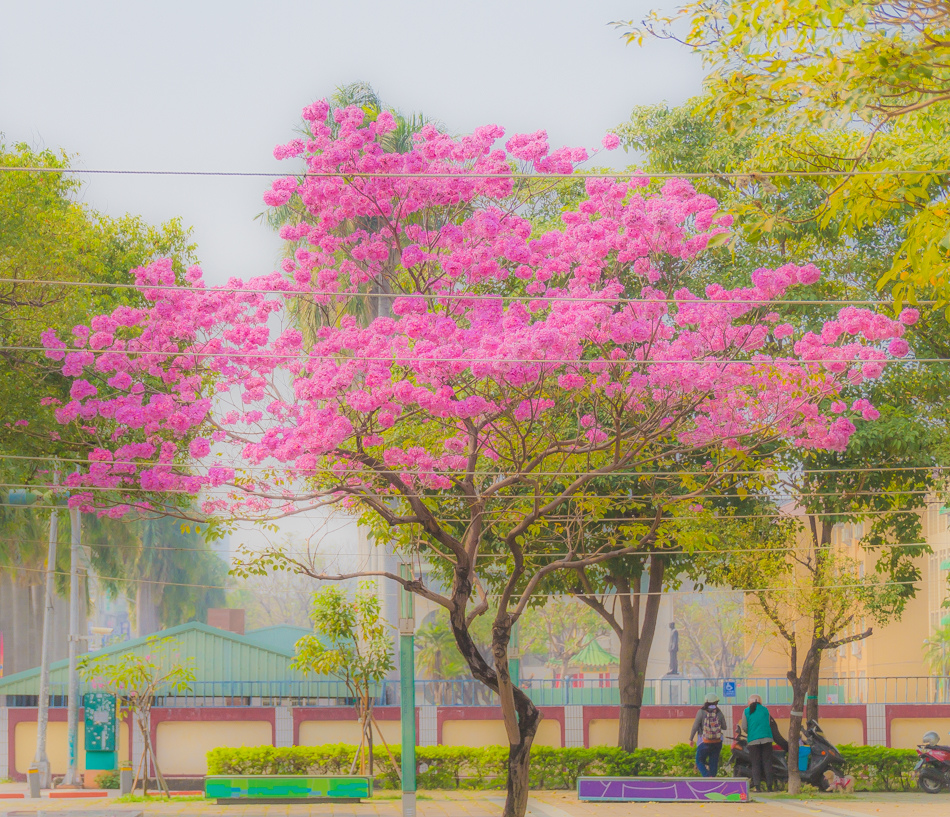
column 933, row 766
column 823, row 756
column 742, row 762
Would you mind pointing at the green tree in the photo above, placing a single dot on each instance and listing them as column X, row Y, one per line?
column 437, row 655
column 859, row 88
column 175, row 576
column 886, row 475
column 714, row 641
column 350, row 641
column 811, row 596
column 560, row 630
column 49, row 236
column 136, row 680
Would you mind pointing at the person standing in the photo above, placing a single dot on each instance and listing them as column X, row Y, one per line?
column 709, row 725
column 756, row 725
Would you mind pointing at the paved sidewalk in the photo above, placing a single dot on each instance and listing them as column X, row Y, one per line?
column 489, row 804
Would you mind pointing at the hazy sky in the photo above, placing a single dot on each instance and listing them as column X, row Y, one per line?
column 214, row 85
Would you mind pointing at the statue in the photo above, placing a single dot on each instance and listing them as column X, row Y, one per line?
column 674, row 649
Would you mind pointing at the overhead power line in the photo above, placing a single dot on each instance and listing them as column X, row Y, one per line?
column 394, row 358
column 731, row 472
column 451, row 296
column 753, row 175
column 781, row 588
column 664, row 499
column 316, row 553
column 555, row 517
column 566, row 472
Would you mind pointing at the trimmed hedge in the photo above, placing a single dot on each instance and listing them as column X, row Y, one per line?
column 879, row 768
column 455, row 767
column 875, row 768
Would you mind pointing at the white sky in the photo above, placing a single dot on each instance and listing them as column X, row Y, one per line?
column 215, row 84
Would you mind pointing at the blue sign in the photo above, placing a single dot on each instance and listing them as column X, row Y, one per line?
column 728, row 689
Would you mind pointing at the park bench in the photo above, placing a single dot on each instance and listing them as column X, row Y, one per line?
column 662, row 789
column 287, row 788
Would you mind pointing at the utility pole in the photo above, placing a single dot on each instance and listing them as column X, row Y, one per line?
column 407, row 693
column 75, row 546
column 40, row 759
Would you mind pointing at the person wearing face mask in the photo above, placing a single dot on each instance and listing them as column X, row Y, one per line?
column 709, row 725
column 756, row 724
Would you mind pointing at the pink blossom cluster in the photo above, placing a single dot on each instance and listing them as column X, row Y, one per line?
column 496, row 349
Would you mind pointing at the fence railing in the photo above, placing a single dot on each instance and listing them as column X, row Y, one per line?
column 668, row 691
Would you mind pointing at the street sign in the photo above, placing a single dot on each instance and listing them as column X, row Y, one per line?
column 728, row 689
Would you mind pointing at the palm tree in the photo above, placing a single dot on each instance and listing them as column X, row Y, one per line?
column 438, row 658
column 24, row 537
column 175, row 577
column 371, row 301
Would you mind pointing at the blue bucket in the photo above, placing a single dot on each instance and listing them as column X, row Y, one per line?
column 804, row 753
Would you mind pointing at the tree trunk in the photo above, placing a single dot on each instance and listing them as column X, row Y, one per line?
column 146, row 754
column 521, row 716
column 519, row 762
column 799, row 685
column 636, row 641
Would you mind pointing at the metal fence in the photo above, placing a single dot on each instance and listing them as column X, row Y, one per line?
column 544, row 692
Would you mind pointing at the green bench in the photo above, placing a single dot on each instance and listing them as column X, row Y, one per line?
column 287, row 788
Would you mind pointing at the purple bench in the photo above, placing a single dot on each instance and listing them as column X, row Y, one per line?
column 663, row 789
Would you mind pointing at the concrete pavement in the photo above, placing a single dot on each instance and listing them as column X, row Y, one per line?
column 489, row 804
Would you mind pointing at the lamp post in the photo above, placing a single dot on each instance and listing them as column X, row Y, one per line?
column 407, row 693
column 40, row 759
column 72, row 771
column 514, row 654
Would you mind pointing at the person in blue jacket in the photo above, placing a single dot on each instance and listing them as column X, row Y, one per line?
column 756, row 725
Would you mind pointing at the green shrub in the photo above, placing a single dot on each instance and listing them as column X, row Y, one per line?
column 108, row 780
column 879, row 768
column 875, row 768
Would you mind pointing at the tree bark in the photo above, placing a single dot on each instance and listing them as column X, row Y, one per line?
column 800, row 683
column 522, row 717
column 636, row 641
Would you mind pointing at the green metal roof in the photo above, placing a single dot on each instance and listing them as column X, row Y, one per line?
column 278, row 636
column 593, row 655
column 218, row 656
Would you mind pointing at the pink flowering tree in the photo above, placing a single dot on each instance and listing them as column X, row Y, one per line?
column 508, row 372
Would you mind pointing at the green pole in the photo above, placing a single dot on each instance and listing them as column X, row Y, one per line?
column 514, row 661
column 407, row 694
